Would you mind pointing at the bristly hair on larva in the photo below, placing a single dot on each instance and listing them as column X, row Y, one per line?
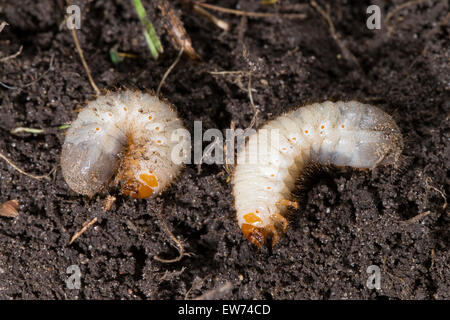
column 349, row 134
column 122, row 138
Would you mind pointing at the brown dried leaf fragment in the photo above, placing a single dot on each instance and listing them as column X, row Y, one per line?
column 9, row 209
column 109, row 202
column 178, row 35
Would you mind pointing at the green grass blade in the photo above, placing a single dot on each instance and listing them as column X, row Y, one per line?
column 149, row 31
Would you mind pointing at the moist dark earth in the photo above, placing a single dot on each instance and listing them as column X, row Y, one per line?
column 348, row 219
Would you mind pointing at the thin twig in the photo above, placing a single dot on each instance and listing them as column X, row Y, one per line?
column 250, row 96
column 166, row 74
column 401, row 7
column 46, row 177
column 198, row 285
column 7, row 86
column 417, row 218
column 50, row 65
column 433, row 30
column 174, row 239
column 219, row 23
column 12, row 56
column 216, row 73
column 428, row 185
column 83, row 61
column 345, row 52
column 207, row 151
column 79, row 233
column 251, row 14
column 229, row 167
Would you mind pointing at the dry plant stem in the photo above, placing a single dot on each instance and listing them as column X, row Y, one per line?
column 83, row 61
column 401, row 7
column 46, row 176
column 417, row 218
column 255, row 109
column 430, row 33
column 178, row 34
column 427, row 183
column 345, row 52
column 229, row 167
column 250, row 96
column 192, row 286
column 241, row 72
column 249, row 90
column 166, row 74
column 174, row 239
column 12, row 56
column 207, row 150
column 251, row 14
column 50, row 65
column 219, row 23
column 79, row 233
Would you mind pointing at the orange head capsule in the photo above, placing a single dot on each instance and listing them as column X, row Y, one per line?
column 140, row 188
column 268, row 235
column 256, row 235
column 136, row 189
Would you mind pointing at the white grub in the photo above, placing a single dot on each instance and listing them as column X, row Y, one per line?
column 335, row 133
column 122, row 138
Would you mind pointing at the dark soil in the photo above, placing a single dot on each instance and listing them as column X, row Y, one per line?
column 347, row 220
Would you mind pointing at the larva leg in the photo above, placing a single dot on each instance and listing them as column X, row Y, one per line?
column 268, row 235
column 288, row 203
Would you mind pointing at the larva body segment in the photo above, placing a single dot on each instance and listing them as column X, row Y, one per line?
column 341, row 133
column 124, row 138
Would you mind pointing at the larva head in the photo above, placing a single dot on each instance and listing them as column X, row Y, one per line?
column 267, row 235
column 140, row 187
column 389, row 143
column 394, row 147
